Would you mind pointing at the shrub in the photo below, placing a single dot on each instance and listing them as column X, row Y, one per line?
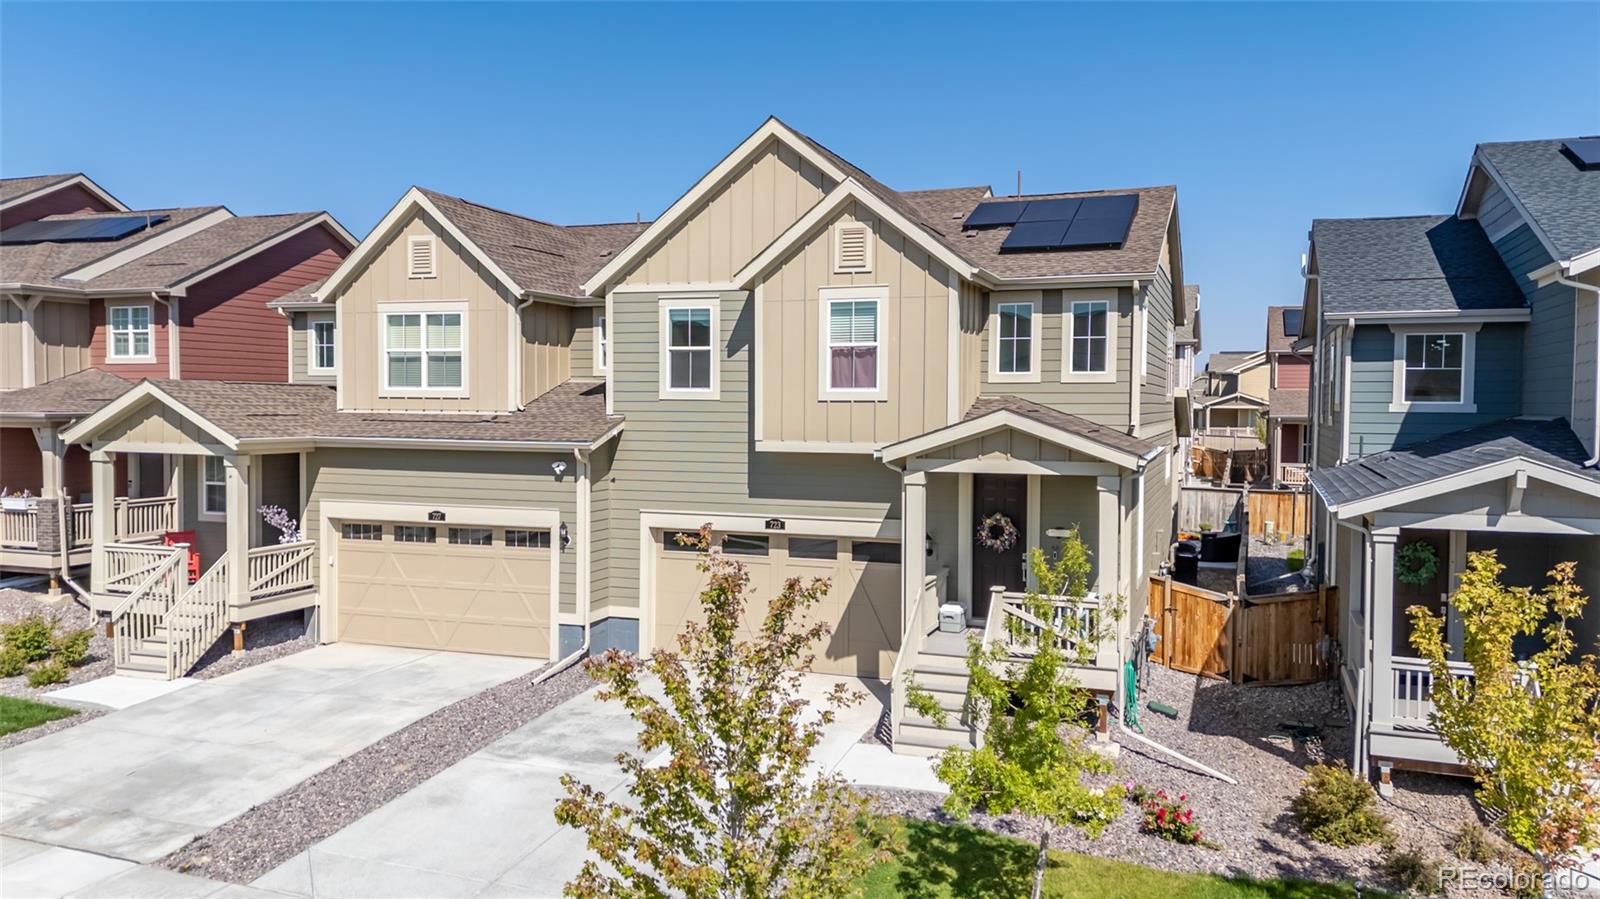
column 1415, row 870
column 1527, row 877
column 1173, row 820
column 1472, row 844
column 1297, row 559
column 51, row 672
column 33, row 637
column 72, row 647
column 1137, row 793
column 12, row 662
column 1338, row 808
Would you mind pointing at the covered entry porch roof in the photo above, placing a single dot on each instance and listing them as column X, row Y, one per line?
column 1053, row 442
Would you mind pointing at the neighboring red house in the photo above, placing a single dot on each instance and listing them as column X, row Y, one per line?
column 1288, row 424
column 86, row 283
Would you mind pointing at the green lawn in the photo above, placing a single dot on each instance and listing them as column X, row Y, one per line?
column 944, row 861
column 21, row 714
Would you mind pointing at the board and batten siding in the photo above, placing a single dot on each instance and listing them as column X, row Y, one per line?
column 1497, row 390
column 736, row 221
column 460, row 278
column 697, row 456
column 60, row 341
column 1547, row 361
column 913, row 330
column 546, row 348
column 584, row 320
column 300, row 371
column 490, row 480
column 974, row 313
column 1106, row 403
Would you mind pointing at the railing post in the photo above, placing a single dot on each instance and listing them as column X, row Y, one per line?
column 103, row 485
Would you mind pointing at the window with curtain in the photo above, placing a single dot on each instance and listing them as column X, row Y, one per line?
column 322, row 345
column 1433, row 368
column 689, row 348
column 423, row 350
column 131, row 332
column 1016, row 338
column 1090, row 335
column 853, row 345
column 600, row 341
column 213, row 486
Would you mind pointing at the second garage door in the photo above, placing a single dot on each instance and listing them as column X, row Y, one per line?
column 462, row 588
column 862, row 607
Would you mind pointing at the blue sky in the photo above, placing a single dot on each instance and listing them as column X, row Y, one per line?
column 1264, row 114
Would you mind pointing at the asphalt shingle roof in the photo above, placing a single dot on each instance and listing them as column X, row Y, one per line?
column 1064, row 421
column 66, row 397
column 1280, row 339
column 571, row 412
column 1545, row 441
column 305, row 293
column 1222, row 361
column 1284, row 402
column 11, row 188
column 44, row 263
column 1432, row 263
column 1563, row 199
column 1189, row 331
column 171, row 264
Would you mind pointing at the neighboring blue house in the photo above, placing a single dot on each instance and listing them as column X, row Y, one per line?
column 1453, row 409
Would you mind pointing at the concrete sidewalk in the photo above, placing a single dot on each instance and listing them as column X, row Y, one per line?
column 31, row 870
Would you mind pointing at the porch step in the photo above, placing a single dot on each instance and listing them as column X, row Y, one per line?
column 927, row 740
column 144, row 666
column 937, row 681
column 931, row 664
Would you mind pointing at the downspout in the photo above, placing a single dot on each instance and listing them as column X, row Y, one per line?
column 1135, row 350
column 580, row 459
column 1344, row 390
column 174, row 370
column 1579, row 285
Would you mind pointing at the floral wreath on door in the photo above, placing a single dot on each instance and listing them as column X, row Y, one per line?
column 997, row 532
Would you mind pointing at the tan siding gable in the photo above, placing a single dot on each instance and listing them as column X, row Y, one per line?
column 153, row 423
column 914, row 328
column 459, row 278
column 735, row 222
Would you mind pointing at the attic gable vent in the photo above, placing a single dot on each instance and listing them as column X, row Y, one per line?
column 852, row 247
column 421, row 258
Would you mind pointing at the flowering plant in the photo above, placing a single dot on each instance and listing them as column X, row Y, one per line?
column 1173, row 819
column 288, row 528
column 997, row 532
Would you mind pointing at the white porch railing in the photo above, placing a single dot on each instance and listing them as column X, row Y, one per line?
column 196, row 620
column 145, row 608
column 136, row 519
column 1009, row 620
column 146, row 517
column 19, row 528
column 284, row 568
column 1413, row 687
column 127, row 566
column 922, row 620
column 82, row 525
column 1292, row 473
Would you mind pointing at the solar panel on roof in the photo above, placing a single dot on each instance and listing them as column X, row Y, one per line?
column 1102, row 221
column 1051, row 210
column 1291, row 322
column 1584, row 151
column 1035, row 236
column 995, row 214
column 97, row 228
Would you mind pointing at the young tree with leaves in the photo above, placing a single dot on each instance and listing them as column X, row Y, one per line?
column 1529, row 729
column 733, row 813
column 1034, row 755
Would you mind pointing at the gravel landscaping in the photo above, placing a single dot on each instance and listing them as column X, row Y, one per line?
column 275, row 831
column 1264, row 737
column 1267, row 567
column 264, row 640
column 16, row 605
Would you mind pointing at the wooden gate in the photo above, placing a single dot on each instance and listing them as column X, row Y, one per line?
column 1288, row 511
column 1278, row 639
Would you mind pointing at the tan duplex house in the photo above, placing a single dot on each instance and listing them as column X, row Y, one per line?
column 844, row 380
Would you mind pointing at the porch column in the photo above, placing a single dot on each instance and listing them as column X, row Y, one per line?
column 48, row 523
column 237, row 474
column 1381, row 565
column 103, row 484
column 1108, row 530
column 1454, row 632
column 913, row 542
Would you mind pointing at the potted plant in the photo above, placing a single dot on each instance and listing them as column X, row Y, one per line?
column 20, row 501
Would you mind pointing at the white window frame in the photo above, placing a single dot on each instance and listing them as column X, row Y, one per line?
column 1073, row 300
column 315, row 344
column 1141, row 337
column 1035, row 300
column 207, row 513
column 423, row 309
column 1469, row 342
column 602, row 361
column 826, row 297
column 838, row 244
column 667, row 304
column 149, row 330
column 432, row 244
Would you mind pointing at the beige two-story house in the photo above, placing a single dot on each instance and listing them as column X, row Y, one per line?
column 496, row 426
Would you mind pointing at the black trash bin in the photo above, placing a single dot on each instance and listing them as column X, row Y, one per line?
column 1186, row 563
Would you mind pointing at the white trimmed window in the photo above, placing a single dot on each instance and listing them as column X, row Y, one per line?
column 322, row 346
column 132, row 330
column 1433, row 370
column 421, row 257
column 689, row 367
column 854, row 350
column 424, row 351
column 213, row 487
column 1014, row 348
column 600, row 348
column 1090, row 341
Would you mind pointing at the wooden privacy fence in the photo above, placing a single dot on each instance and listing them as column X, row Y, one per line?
column 1277, row 639
column 1289, row 511
column 1215, row 506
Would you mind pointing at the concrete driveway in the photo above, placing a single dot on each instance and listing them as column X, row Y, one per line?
column 486, row 825
column 138, row 783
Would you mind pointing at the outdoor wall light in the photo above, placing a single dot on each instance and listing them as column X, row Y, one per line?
column 559, row 467
column 566, row 538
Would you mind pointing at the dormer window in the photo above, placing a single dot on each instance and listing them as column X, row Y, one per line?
column 424, row 351
column 421, row 257
column 852, row 248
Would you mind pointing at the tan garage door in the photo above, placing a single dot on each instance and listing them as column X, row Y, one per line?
column 862, row 606
column 462, row 588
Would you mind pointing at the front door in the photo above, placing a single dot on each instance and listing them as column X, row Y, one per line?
column 1007, row 495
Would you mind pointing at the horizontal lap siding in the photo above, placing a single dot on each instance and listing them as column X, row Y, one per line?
column 601, row 485
column 505, row 480
column 697, row 455
column 1294, row 372
column 1547, row 340
column 1104, row 403
column 229, row 332
column 1374, row 429
column 1155, row 395
column 300, row 349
